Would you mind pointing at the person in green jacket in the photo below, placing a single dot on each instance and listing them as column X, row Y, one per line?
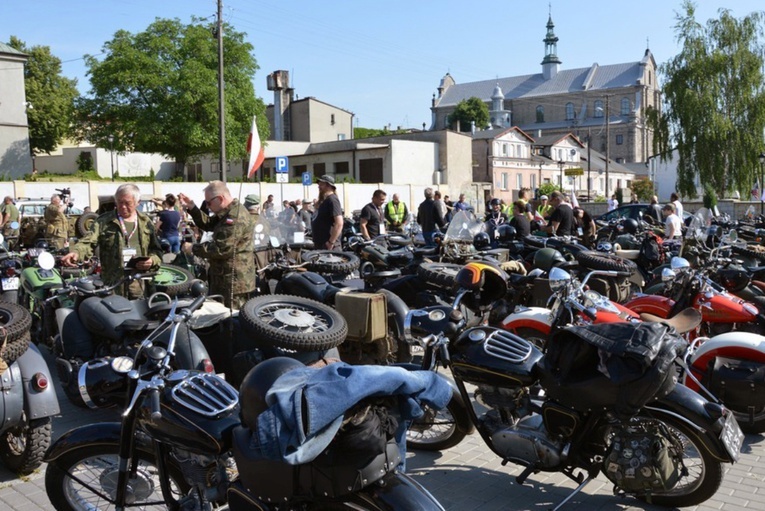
column 232, row 269
column 9, row 213
column 125, row 238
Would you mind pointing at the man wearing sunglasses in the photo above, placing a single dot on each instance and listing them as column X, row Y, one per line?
column 232, row 265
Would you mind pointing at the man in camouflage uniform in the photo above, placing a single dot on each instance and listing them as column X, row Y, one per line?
column 56, row 225
column 232, row 263
column 10, row 213
column 120, row 235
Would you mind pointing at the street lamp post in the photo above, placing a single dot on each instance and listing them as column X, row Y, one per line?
column 589, row 179
column 561, row 163
column 762, row 178
column 111, row 153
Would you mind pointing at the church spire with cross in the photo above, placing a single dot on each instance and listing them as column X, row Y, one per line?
column 551, row 63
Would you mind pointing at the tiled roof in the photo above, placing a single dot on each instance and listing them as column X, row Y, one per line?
column 566, row 81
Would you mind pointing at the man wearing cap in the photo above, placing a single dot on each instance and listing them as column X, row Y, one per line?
column 232, row 270
column 395, row 214
column 305, row 215
column 371, row 219
column 327, row 224
column 544, row 209
column 9, row 213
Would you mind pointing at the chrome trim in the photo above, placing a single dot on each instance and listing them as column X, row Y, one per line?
column 506, row 346
column 82, row 385
column 206, row 394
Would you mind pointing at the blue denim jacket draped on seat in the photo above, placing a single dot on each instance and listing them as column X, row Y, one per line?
column 326, row 394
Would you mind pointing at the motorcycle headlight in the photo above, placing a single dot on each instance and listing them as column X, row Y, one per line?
column 559, row 279
column 102, row 381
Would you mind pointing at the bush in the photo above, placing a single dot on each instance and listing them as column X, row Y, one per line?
column 710, row 196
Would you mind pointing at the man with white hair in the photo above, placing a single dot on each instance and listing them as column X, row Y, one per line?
column 125, row 237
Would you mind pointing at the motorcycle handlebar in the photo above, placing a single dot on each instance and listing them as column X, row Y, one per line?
column 156, row 412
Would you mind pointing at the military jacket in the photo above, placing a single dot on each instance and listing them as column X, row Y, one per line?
column 106, row 234
column 56, row 224
column 232, row 262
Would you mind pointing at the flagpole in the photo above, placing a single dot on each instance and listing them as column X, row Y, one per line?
column 221, row 101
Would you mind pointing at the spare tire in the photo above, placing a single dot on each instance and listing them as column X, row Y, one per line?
column 293, row 323
column 15, row 323
column 172, row 280
column 745, row 251
column 83, row 223
column 594, row 260
column 329, row 261
column 439, row 274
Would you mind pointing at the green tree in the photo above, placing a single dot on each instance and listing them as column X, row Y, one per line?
column 50, row 96
column 643, row 188
column 157, row 92
column 469, row 110
column 547, row 188
column 714, row 106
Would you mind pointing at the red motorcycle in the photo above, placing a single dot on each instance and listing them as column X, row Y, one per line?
column 684, row 287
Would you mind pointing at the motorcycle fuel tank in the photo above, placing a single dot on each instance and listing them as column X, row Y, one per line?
column 492, row 356
column 198, row 413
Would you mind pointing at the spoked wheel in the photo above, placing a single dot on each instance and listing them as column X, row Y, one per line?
column 22, row 448
column 703, row 473
column 85, row 479
column 441, row 429
column 294, row 323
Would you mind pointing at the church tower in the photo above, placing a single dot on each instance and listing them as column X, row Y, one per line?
column 551, row 63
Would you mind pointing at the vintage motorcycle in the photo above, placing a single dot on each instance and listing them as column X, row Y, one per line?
column 610, row 403
column 94, row 322
column 28, row 398
column 11, row 265
column 186, row 441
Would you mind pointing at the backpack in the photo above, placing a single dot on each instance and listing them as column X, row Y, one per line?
column 651, row 255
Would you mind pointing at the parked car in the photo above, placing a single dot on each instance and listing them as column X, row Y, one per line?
column 634, row 211
column 31, row 212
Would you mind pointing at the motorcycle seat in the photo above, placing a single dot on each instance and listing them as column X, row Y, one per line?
column 426, row 251
column 683, row 322
column 138, row 325
column 399, row 241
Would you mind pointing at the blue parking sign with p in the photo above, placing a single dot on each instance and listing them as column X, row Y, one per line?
column 307, row 179
column 282, row 164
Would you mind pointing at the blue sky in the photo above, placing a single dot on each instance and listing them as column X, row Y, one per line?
column 381, row 60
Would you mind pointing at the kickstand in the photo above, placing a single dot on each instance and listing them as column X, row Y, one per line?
column 571, row 496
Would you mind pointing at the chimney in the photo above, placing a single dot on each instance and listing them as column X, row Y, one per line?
column 279, row 82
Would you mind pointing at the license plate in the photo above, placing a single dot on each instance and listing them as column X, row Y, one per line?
column 732, row 437
column 10, row 284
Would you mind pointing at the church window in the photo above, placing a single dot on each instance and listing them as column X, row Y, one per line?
column 540, row 113
column 599, row 112
column 569, row 111
column 625, row 106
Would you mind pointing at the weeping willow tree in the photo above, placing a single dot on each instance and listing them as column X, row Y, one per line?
column 714, row 102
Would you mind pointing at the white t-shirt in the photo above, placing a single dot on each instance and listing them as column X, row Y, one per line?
column 612, row 204
column 674, row 221
column 678, row 208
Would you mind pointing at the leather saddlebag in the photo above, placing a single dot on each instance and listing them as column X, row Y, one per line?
column 366, row 314
column 738, row 383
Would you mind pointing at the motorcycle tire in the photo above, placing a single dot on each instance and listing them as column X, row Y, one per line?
column 438, row 430
column 704, row 472
column 328, row 261
column 593, row 260
column 172, row 280
column 23, row 447
column 755, row 254
column 14, row 349
column 97, row 467
column 293, row 323
column 84, row 223
column 439, row 274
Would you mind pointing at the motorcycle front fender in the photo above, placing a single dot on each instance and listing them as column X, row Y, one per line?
column 535, row 318
column 38, row 403
column 92, row 434
column 704, row 417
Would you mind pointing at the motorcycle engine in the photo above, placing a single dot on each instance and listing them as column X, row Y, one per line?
column 211, row 475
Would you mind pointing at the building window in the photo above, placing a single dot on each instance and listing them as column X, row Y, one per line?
column 533, row 181
column 540, row 113
column 341, row 136
column 342, row 167
column 332, row 119
column 620, row 160
column 599, row 112
column 299, row 169
column 504, row 149
column 602, row 183
column 503, row 182
column 625, row 106
column 619, row 139
column 569, row 111
column 518, row 181
column 319, row 169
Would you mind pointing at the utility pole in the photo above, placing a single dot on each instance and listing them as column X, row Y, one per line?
column 589, row 166
column 608, row 142
column 221, row 101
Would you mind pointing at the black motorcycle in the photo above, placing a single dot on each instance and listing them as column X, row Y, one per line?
column 610, row 403
column 182, row 445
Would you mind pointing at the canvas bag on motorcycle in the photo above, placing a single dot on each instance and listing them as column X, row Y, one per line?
column 619, row 365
